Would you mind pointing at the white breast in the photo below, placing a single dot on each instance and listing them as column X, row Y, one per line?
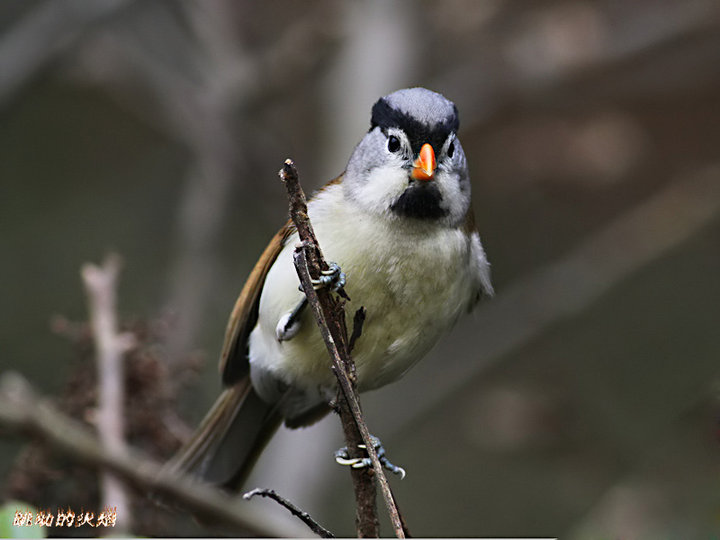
column 414, row 279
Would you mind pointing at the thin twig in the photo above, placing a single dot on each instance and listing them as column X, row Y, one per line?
column 330, row 316
column 294, row 510
column 24, row 412
column 110, row 345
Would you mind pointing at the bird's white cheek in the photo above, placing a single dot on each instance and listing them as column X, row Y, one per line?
column 380, row 188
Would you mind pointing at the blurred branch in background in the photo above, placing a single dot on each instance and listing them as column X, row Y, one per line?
column 110, row 346
column 355, row 80
column 653, row 489
column 199, row 105
column 137, row 402
column 45, row 33
column 569, row 54
column 22, row 411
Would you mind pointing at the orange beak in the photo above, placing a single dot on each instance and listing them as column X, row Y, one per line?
column 425, row 165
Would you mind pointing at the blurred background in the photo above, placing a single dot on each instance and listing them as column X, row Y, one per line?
column 581, row 402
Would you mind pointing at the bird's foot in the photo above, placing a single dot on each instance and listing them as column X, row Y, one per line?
column 342, row 457
column 333, row 277
column 289, row 324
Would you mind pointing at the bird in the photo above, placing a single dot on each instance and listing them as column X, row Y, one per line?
column 399, row 227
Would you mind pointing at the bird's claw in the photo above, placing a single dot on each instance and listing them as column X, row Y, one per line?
column 342, row 458
column 289, row 324
column 333, row 277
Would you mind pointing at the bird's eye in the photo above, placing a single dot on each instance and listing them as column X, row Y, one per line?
column 393, row 143
column 451, row 150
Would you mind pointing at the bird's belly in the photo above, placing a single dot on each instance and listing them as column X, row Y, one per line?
column 409, row 305
column 413, row 290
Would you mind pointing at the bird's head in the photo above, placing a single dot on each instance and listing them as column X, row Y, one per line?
column 410, row 165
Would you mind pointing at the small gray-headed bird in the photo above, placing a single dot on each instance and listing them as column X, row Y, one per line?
column 399, row 224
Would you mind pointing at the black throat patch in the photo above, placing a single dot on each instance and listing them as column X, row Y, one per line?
column 419, row 133
column 420, row 202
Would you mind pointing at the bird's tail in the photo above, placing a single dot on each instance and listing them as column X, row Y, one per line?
column 226, row 445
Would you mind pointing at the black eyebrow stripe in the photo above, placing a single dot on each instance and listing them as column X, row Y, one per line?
column 419, row 133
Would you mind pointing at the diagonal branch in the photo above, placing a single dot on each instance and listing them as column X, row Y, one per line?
column 24, row 412
column 330, row 316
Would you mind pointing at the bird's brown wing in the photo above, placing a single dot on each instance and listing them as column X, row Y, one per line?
column 224, row 448
column 234, row 357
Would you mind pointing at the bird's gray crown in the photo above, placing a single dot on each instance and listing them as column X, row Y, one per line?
column 425, row 116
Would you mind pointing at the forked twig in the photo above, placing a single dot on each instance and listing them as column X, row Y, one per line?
column 294, row 510
column 110, row 345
